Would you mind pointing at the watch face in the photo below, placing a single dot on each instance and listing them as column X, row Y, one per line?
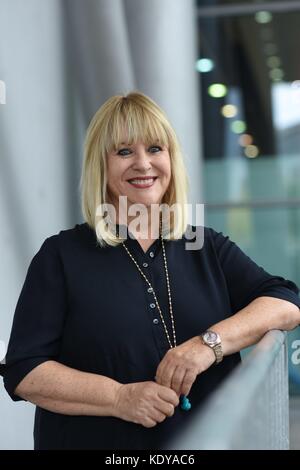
column 210, row 337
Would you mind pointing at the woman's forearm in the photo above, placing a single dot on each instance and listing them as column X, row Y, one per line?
column 180, row 366
column 250, row 324
column 61, row 389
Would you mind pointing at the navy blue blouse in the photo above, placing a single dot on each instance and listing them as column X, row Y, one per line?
column 89, row 308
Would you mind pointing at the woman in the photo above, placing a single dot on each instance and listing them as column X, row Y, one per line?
column 116, row 329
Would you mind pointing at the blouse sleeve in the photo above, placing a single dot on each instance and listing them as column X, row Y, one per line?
column 245, row 279
column 39, row 317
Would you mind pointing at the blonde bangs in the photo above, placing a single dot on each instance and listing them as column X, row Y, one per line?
column 130, row 123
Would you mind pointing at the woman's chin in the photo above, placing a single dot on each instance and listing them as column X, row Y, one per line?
column 147, row 203
column 145, row 200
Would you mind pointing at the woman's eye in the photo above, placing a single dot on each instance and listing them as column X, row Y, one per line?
column 123, row 152
column 156, row 148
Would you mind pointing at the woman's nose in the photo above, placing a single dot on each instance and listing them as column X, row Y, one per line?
column 142, row 160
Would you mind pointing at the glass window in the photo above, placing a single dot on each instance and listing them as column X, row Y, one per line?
column 249, row 81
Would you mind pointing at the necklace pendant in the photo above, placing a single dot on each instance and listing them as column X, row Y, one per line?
column 185, row 404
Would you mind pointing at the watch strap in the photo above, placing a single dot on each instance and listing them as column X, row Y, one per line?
column 218, row 352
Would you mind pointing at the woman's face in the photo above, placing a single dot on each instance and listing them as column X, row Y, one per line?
column 127, row 168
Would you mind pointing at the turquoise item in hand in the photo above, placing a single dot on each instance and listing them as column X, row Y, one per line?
column 185, row 403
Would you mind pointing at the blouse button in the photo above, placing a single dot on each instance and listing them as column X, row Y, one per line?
column 152, row 305
column 155, row 321
column 151, row 254
column 145, row 265
column 149, row 289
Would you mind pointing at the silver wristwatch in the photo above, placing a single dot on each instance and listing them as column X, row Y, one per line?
column 213, row 340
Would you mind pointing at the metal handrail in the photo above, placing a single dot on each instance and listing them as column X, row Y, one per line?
column 250, row 410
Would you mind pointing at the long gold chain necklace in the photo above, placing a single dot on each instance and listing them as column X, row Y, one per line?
column 185, row 404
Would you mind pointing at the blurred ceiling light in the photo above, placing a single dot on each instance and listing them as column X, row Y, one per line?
column 204, row 65
column 273, row 61
column 217, row 90
column 276, row 74
column 295, row 84
column 238, row 127
column 245, row 140
column 229, row 110
column 263, row 17
column 251, row 151
column 270, row 48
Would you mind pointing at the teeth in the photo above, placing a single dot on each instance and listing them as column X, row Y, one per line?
column 148, row 180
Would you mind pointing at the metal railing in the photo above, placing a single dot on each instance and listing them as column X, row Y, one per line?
column 250, row 410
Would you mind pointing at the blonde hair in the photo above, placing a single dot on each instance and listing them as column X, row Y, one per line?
column 144, row 121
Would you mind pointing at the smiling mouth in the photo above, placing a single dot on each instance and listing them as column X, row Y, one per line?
column 142, row 183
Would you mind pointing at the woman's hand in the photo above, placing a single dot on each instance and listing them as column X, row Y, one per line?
column 145, row 403
column 181, row 365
